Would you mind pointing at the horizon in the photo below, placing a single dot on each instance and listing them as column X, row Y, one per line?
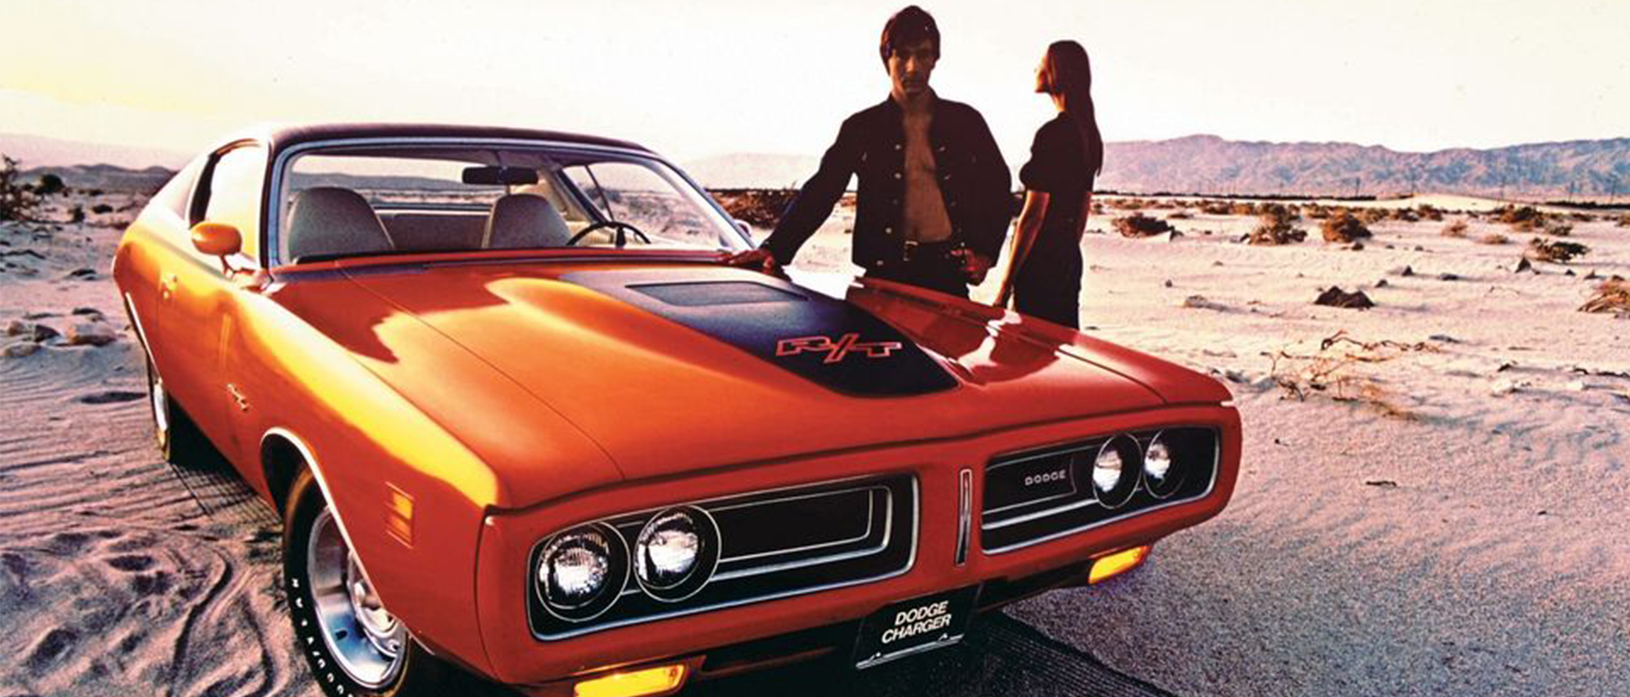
column 175, row 75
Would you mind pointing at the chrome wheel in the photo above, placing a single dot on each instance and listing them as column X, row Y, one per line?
column 365, row 639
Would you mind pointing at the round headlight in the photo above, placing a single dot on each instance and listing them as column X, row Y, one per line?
column 581, row 572
column 1162, row 474
column 676, row 553
column 1115, row 471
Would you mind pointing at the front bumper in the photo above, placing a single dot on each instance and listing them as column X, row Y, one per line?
column 517, row 657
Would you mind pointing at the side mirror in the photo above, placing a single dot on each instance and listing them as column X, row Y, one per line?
column 745, row 228
column 217, row 240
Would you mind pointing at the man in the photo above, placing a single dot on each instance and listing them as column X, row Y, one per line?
column 933, row 204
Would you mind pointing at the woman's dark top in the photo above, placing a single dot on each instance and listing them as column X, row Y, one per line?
column 1048, row 285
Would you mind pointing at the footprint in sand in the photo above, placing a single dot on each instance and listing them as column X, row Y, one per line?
column 131, row 562
column 110, row 397
column 51, row 647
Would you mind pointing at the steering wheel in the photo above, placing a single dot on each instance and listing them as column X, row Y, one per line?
column 617, row 225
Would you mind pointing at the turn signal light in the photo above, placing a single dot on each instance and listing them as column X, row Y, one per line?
column 638, row 683
column 1105, row 568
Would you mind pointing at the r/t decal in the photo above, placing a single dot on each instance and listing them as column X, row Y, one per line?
column 838, row 350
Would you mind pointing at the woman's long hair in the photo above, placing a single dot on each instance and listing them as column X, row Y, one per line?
column 1066, row 71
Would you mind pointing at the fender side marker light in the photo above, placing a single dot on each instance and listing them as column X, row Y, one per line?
column 660, row 680
column 1110, row 566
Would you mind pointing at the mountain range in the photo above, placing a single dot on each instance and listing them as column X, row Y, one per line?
column 1592, row 169
column 1212, row 165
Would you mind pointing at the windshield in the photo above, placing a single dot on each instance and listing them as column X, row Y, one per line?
column 388, row 199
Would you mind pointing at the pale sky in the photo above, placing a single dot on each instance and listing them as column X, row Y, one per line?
column 698, row 78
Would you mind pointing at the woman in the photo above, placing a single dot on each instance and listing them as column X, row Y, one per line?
column 1044, row 271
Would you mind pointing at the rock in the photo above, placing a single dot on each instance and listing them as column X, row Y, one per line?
column 33, row 332
column 1336, row 297
column 1357, row 247
column 1419, row 248
column 1168, row 283
column 91, row 334
column 1382, row 283
column 1522, row 266
column 1569, row 272
column 1445, row 338
column 1382, row 483
column 87, row 311
column 1216, row 263
column 20, row 349
column 1200, row 302
column 1402, row 271
column 39, row 315
column 1448, row 277
column 82, row 272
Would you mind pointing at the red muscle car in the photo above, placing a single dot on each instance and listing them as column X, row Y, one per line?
column 520, row 420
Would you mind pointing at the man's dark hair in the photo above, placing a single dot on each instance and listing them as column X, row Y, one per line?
column 908, row 26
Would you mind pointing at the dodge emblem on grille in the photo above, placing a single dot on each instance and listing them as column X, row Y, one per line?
column 836, row 350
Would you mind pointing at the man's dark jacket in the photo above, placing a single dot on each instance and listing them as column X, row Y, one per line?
column 972, row 177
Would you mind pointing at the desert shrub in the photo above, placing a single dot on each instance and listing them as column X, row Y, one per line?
column 1371, row 216
column 1624, row 220
column 101, row 208
column 1493, row 238
column 1128, row 204
column 1427, row 211
column 76, row 214
column 1242, row 208
column 1275, row 230
column 1140, row 225
column 1559, row 229
column 50, row 184
column 1613, row 295
column 1180, row 215
column 96, row 192
column 1542, row 249
column 1455, row 229
column 1522, row 218
column 1343, row 227
column 1316, row 212
column 759, row 207
column 1097, row 208
column 16, row 201
column 1404, row 215
column 1582, row 217
column 1212, row 207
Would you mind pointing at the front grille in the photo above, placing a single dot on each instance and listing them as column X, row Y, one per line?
column 772, row 545
column 1038, row 495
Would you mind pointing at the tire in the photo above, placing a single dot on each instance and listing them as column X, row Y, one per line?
column 178, row 438
column 346, row 659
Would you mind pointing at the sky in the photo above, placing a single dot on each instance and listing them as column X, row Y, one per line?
column 699, row 78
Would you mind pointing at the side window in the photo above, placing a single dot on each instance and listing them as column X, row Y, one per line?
column 234, row 193
column 178, row 191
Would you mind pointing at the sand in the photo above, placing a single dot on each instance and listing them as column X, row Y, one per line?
column 1447, row 516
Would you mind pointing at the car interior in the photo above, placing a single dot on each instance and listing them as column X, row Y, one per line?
column 366, row 201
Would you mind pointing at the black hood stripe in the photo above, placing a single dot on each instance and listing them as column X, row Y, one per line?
column 822, row 339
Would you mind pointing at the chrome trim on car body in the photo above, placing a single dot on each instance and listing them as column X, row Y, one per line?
column 1216, row 461
column 322, row 485
column 911, row 562
column 964, row 523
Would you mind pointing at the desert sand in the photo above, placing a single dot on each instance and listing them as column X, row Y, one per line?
column 1447, row 515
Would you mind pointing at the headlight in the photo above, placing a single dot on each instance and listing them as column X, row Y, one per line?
column 1161, row 471
column 676, row 553
column 581, row 572
column 1115, row 471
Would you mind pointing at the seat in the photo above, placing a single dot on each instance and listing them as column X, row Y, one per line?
column 327, row 220
column 524, row 220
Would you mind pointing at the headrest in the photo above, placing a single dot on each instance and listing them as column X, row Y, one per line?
column 524, row 220
column 329, row 220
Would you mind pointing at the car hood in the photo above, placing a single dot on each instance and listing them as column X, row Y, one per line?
column 687, row 366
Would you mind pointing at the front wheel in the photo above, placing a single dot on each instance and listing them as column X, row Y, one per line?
column 352, row 643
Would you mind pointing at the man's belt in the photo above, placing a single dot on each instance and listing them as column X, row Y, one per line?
column 913, row 250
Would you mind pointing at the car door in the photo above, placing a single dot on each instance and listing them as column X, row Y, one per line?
column 198, row 294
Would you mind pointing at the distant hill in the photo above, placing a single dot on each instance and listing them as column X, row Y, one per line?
column 1209, row 164
column 106, row 177
column 40, row 151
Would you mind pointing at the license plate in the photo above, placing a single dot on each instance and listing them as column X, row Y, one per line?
column 914, row 626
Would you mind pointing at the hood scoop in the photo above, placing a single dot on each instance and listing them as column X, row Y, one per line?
column 827, row 341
